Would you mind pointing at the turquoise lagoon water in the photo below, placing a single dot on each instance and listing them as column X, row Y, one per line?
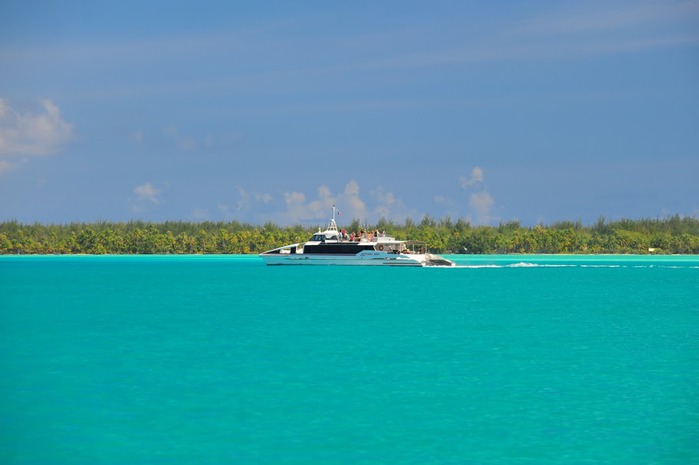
column 220, row 359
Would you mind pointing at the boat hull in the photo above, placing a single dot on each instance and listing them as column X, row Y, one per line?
column 362, row 259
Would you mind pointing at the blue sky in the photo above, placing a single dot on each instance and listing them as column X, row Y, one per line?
column 534, row 111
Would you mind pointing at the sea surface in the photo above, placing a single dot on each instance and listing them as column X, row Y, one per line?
column 220, row 359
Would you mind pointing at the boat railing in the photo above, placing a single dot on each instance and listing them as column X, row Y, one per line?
column 416, row 247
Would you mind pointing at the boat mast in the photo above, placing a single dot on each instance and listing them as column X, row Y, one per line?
column 333, row 224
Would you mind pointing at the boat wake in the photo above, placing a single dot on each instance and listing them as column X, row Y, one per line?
column 539, row 265
column 516, row 265
column 564, row 265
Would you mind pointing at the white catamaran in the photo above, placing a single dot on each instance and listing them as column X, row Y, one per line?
column 335, row 247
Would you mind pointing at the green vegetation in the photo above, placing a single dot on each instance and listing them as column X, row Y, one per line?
column 672, row 235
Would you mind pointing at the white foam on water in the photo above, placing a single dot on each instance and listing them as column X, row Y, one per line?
column 604, row 266
column 477, row 266
column 540, row 265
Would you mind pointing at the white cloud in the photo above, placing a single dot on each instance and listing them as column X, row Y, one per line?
column 385, row 198
column 481, row 203
column 353, row 205
column 296, row 210
column 146, row 192
column 294, row 198
column 386, row 201
column 349, row 202
column 299, row 210
column 246, row 199
column 475, row 179
column 147, row 196
column 390, row 207
column 28, row 134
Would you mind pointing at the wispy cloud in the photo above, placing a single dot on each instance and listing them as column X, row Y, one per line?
column 388, row 205
column 566, row 32
column 476, row 178
column 200, row 214
column 386, row 202
column 146, row 196
column 183, row 141
column 480, row 200
column 481, row 204
column 246, row 199
column 604, row 16
column 588, row 29
column 31, row 134
column 147, row 193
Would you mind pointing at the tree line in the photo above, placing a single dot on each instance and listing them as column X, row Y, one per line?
column 671, row 235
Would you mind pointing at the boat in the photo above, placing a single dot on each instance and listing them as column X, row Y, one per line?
column 336, row 247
